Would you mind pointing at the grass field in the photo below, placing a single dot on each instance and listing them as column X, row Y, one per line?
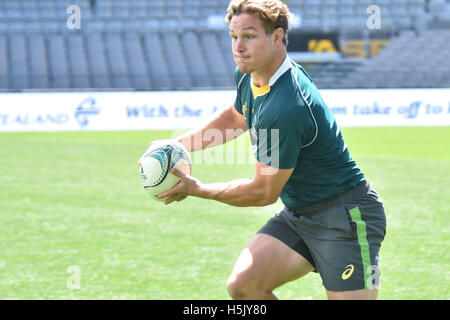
column 75, row 199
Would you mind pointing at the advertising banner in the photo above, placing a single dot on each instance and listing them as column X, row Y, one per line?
column 389, row 107
column 104, row 111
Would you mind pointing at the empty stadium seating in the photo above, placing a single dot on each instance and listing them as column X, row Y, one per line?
column 115, row 60
column 183, row 44
column 395, row 65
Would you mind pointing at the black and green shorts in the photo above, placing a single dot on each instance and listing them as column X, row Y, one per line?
column 340, row 237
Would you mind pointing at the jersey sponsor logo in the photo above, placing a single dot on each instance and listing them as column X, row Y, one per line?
column 348, row 272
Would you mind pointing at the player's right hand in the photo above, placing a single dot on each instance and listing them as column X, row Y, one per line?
column 187, row 185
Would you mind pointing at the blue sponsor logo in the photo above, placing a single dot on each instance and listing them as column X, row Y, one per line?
column 85, row 110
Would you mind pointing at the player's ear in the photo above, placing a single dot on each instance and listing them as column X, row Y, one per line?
column 278, row 35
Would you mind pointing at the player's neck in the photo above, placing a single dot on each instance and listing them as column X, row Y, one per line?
column 261, row 78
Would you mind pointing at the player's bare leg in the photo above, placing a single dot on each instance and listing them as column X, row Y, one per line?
column 265, row 264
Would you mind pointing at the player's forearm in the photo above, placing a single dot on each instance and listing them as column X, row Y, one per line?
column 239, row 193
column 194, row 140
column 224, row 127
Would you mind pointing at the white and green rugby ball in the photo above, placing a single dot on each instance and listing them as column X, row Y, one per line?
column 156, row 165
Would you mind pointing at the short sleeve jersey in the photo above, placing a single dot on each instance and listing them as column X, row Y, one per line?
column 290, row 126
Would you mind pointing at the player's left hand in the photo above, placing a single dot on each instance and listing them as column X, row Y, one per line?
column 185, row 187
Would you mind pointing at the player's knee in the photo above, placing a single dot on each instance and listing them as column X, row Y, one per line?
column 238, row 287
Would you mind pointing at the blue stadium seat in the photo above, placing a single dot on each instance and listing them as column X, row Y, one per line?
column 151, row 25
column 104, row 9
column 157, row 62
column 168, row 24
column 176, row 60
column 4, row 81
column 221, row 75
column 116, row 60
column 139, row 9
column 30, row 9
column 38, row 62
column 58, row 62
column 94, row 26
column 121, row 10
column 52, row 26
column 119, row 44
column 157, row 9
column 18, row 62
column 97, row 60
column 138, row 67
column 77, row 60
column 225, row 42
column 194, row 60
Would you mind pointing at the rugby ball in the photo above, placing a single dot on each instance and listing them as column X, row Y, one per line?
column 156, row 165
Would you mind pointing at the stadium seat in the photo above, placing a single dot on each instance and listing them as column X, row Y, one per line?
column 174, row 9
column 58, row 62
column 18, row 62
column 94, row 26
column 176, row 60
column 48, row 11
column 78, row 66
column 17, row 27
column 191, row 12
column 4, row 83
column 97, row 61
column 30, row 10
column 399, row 63
column 444, row 15
column 175, row 44
column 168, row 24
column 157, row 62
column 221, row 75
column 194, row 60
column 121, row 10
column 435, row 6
column 139, row 9
column 116, row 60
column 38, row 62
column 52, row 27
column 33, row 27
column 311, row 23
column 225, row 42
column 136, row 60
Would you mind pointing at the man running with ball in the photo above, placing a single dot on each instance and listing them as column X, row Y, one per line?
column 333, row 221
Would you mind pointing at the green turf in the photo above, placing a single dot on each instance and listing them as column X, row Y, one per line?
column 75, row 199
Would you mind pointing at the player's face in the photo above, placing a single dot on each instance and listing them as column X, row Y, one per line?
column 253, row 49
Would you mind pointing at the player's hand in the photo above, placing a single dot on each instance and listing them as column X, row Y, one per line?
column 185, row 187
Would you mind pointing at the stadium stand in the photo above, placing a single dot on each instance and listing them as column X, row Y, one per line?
column 184, row 44
column 136, row 60
column 157, row 60
column 395, row 65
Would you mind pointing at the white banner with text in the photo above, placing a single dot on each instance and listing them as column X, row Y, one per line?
column 111, row 111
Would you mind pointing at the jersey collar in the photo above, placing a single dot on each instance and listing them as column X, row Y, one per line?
column 285, row 66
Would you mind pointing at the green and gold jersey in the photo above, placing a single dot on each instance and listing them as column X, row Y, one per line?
column 290, row 126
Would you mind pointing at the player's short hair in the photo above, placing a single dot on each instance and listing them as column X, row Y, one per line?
column 274, row 14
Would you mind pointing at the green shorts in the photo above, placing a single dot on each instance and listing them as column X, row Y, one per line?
column 340, row 237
